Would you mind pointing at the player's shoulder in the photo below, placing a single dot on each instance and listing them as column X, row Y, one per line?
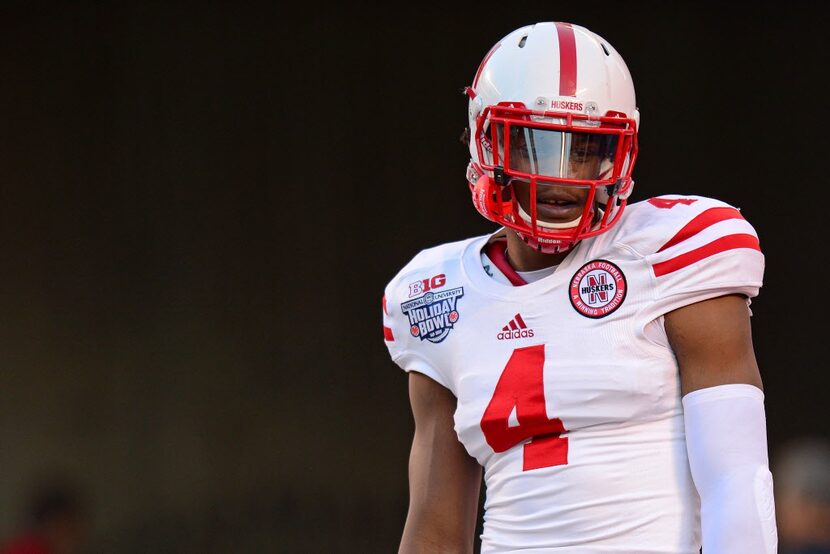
column 432, row 262
column 657, row 224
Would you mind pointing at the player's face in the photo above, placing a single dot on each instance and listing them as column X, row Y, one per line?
column 557, row 154
column 554, row 203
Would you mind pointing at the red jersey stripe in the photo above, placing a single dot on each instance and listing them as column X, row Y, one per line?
column 701, row 222
column 387, row 333
column 729, row 242
column 567, row 59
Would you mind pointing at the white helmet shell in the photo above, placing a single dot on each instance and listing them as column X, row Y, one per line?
column 537, row 66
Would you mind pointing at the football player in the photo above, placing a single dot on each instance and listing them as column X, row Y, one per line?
column 593, row 357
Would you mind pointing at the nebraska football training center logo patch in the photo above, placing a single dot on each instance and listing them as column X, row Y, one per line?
column 597, row 289
column 433, row 315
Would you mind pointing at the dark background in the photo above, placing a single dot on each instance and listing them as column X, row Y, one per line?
column 200, row 205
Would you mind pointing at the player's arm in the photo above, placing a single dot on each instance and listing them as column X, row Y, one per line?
column 444, row 480
column 713, row 344
column 725, row 424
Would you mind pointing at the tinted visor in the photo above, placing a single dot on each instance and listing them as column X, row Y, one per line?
column 560, row 154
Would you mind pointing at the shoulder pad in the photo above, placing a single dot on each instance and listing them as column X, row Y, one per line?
column 680, row 224
column 696, row 248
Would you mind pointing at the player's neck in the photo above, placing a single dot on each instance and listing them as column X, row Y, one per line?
column 524, row 258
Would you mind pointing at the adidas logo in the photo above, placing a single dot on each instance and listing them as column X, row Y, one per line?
column 515, row 329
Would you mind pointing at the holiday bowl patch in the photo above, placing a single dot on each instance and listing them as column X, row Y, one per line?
column 433, row 315
column 597, row 289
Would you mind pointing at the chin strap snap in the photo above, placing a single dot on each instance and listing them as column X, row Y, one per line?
column 499, row 176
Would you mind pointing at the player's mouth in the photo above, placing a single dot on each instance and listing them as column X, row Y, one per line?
column 558, row 210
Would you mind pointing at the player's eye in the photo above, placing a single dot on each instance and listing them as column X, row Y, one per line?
column 581, row 157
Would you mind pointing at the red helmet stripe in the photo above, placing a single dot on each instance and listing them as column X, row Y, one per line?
column 483, row 63
column 567, row 59
column 701, row 222
column 729, row 242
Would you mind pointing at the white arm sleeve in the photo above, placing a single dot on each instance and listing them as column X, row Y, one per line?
column 726, row 439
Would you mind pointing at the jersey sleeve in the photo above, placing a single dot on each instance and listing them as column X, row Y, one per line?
column 405, row 349
column 705, row 249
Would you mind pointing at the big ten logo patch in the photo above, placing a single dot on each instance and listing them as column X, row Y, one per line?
column 434, row 314
column 597, row 289
column 426, row 285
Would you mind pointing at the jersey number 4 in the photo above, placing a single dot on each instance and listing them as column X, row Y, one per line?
column 521, row 387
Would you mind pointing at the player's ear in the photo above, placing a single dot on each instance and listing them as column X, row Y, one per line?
column 465, row 137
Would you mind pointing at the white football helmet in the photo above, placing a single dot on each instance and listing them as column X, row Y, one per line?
column 552, row 107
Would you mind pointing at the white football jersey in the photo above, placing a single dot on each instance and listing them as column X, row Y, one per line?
column 568, row 391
